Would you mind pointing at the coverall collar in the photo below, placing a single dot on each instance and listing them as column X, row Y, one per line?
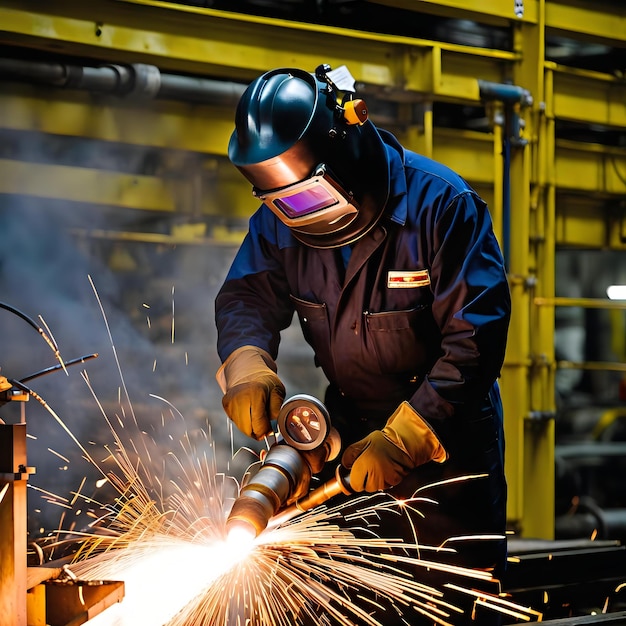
column 397, row 207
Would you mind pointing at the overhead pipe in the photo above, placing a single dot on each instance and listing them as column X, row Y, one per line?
column 136, row 80
column 512, row 97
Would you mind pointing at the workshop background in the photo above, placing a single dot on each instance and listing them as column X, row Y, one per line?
column 116, row 195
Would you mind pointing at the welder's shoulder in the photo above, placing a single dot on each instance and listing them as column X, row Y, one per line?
column 434, row 189
column 422, row 170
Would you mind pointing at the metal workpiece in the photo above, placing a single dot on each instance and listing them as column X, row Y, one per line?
column 13, row 510
column 567, row 577
column 70, row 601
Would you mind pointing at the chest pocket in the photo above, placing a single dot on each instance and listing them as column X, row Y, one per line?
column 405, row 342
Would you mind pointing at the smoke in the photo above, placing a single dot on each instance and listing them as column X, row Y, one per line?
column 161, row 335
column 150, row 320
column 146, row 309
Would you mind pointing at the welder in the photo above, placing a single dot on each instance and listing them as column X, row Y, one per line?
column 391, row 264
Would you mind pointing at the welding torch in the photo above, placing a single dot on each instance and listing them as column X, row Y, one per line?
column 304, row 426
column 331, row 488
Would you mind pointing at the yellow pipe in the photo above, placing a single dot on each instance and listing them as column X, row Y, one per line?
column 604, row 366
column 587, row 303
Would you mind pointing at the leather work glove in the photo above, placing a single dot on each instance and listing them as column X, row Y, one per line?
column 253, row 393
column 383, row 458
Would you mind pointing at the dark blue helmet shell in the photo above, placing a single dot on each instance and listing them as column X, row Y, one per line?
column 287, row 122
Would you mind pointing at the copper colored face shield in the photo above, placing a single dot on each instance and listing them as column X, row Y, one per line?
column 316, row 199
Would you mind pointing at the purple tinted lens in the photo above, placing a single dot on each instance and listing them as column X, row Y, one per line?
column 306, row 201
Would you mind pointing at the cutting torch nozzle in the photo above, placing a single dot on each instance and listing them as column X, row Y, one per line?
column 308, row 439
column 282, row 469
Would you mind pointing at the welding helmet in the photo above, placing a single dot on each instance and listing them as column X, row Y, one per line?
column 312, row 155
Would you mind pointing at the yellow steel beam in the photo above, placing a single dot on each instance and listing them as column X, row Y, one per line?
column 576, row 225
column 589, row 223
column 589, row 97
column 590, row 168
column 597, row 366
column 456, row 74
column 227, row 194
column 496, row 12
column 598, row 21
column 586, row 303
column 469, row 153
column 203, row 129
column 176, row 37
column 237, row 46
column 91, row 186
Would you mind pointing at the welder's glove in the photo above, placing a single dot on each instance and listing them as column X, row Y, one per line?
column 253, row 393
column 383, row 458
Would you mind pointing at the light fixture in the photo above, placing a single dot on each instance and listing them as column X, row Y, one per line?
column 616, row 292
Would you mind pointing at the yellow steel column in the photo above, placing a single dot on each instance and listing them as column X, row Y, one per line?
column 515, row 378
column 495, row 207
column 540, row 436
column 514, row 381
column 533, row 266
column 428, row 128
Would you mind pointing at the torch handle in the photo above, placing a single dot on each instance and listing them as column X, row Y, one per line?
column 331, row 488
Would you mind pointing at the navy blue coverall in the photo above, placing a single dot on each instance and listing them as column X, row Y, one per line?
column 417, row 309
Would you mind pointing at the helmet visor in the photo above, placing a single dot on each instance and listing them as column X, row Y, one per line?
column 315, row 199
column 308, row 200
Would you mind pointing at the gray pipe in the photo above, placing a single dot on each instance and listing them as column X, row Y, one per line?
column 192, row 89
column 137, row 80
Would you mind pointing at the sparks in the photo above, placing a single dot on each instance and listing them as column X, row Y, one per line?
column 163, row 532
column 3, row 491
column 174, row 548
